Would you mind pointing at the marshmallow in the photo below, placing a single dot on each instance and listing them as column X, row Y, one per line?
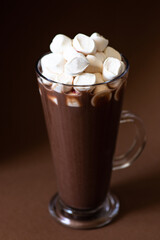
column 50, row 76
column 84, row 44
column 102, row 87
column 59, row 43
column 70, row 53
column 53, row 63
column 112, row 67
column 53, row 99
column 72, row 102
column 95, row 65
column 63, row 78
column 100, row 41
column 100, row 55
column 57, row 87
column 111, row 52
column 76, row 65
column 84, row 79
column 101, row 97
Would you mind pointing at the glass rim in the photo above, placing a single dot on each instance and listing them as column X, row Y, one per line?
column 76, row 85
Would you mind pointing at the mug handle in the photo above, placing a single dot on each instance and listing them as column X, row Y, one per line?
column 126, row 159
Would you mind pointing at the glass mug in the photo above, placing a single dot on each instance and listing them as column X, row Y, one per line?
column 82, row 128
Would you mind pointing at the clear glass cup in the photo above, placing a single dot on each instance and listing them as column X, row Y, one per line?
column 82, row 124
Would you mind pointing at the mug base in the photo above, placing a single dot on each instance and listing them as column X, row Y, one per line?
column 84, row 219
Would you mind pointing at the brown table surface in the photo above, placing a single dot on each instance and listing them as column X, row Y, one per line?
column 27, row 184
column 27, row 181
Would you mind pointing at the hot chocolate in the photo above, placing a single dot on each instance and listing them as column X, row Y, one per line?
column 82, row 107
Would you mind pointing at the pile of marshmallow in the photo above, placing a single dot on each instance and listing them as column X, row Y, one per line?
column 81, row 61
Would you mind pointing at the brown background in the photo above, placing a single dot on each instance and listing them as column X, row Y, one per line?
column 26, row 174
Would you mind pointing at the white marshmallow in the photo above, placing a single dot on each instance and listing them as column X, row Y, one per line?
column 57, row 87
column 59, row 43
column 112, row 67
column 111, row 52
column 50, row 76
column 100, row 55
column 53, row 63
column 95, row 65
column 84, row 44
column 84, row 79
column 100, row 41
column 70, row 53
column 102, row 87
column 76, row 65
column 72, row 102
column 63, row 78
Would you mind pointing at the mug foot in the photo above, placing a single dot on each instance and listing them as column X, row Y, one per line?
column 84, row 219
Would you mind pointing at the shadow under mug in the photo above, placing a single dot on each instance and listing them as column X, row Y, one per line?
column 82, row 128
